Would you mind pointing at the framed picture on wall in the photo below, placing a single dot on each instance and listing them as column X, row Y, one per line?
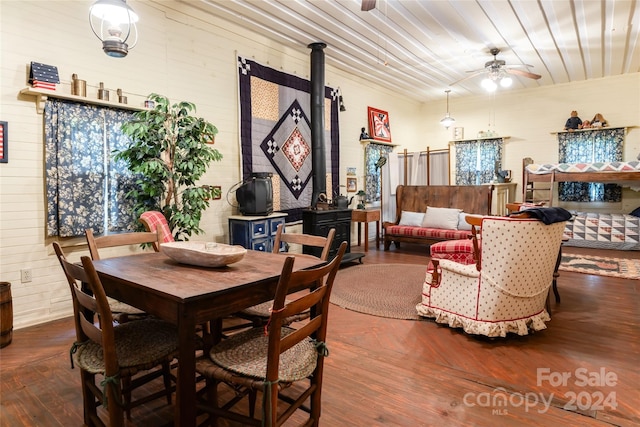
column 379, row 128
column 4, row 143
column 352, row 185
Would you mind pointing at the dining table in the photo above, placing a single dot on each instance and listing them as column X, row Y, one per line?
column 189, row 295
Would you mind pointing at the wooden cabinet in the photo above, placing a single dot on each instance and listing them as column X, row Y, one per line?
column 503, row 193
column 320, row 222
column 255, row 232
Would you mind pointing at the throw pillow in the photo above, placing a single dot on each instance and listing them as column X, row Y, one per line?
column 445, row 218
column 413, row 219
column 462, row 222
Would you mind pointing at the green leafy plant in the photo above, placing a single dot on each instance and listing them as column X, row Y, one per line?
column 170, row 151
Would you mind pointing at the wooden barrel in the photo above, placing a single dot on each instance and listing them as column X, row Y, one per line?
column 6, row 314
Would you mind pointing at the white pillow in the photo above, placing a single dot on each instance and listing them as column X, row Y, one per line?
column 411, row 218
column 445, row 218
column 462, row 222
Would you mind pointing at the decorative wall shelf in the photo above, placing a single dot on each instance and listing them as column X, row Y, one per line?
column 479, row 139
column 593, row 129
column 42, row 95
column 366, row 142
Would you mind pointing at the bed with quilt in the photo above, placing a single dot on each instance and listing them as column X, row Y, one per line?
column 604, row 231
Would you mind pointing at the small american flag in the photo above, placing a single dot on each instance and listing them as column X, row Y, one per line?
column 44, row 85
column 43, row 76
column 3, row 142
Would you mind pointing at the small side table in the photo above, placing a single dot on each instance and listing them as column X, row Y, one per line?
column 367, row 216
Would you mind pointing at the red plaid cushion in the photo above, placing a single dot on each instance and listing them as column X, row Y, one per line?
column 460, row 251
column 435, row 233
column 155, row 219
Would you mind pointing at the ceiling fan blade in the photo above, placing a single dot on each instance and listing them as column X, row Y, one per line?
column 473, row 74
column 367, row 5
column 518, row 65
column 523, row 73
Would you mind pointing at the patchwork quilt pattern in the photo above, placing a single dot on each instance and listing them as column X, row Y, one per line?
column 613, row 231
column 275, row 133
column 585, row 167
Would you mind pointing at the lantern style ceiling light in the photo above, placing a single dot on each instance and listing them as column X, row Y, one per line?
column 448, row 120
column 341, row 101
column 113, row 21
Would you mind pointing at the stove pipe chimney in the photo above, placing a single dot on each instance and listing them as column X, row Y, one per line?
column 318, row 161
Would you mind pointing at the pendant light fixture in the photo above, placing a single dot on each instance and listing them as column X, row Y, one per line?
column 448, row 120
column 113, row 21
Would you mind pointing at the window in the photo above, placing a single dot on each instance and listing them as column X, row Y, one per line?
column 477, row 161
column 589, row 147
column 375, row 156
column 85, row 187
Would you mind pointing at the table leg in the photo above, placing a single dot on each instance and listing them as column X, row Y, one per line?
column 377, row 234
column 358, row 233
column 366, row 236
column 185, row 411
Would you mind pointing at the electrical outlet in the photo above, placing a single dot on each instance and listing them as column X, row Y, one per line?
column 26, row 275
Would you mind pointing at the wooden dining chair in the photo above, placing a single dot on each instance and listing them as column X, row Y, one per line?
column 121, row 311
column 253, row 362
column 259, row 314
column 124, row 357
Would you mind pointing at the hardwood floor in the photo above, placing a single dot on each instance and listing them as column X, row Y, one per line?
column 386, row 372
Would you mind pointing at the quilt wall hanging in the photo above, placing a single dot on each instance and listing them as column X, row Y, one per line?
column 275, row 133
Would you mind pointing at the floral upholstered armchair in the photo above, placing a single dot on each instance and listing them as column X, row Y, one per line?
column 506, row 289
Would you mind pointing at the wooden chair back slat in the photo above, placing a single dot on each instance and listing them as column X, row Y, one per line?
column 121, row 239
column 305, row 240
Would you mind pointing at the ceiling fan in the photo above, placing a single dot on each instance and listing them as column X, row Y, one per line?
column 497, row 71
column 367, row 5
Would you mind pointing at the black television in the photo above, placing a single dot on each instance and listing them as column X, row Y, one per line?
column 255, row 195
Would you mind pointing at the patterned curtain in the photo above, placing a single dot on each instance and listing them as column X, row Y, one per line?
column 373, row 153
column 590, row 147
column 85, row 186
column 477, row 161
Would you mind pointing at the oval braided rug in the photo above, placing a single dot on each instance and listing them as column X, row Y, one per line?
column 385, row 290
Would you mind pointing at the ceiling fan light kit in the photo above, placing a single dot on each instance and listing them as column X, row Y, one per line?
column 498, row 72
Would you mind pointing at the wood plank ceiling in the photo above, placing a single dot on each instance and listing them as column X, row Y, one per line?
column 419, row 47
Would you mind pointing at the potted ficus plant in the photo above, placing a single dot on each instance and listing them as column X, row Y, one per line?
column 170, row 151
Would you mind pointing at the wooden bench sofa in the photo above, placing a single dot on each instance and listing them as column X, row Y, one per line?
column 472, row 199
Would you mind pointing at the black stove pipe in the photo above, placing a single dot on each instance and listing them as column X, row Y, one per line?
column 318, row 161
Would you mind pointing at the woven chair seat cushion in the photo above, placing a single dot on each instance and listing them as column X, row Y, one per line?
column 261, row 310
column 120, row 307
column 246, row 354
column 140, row 345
